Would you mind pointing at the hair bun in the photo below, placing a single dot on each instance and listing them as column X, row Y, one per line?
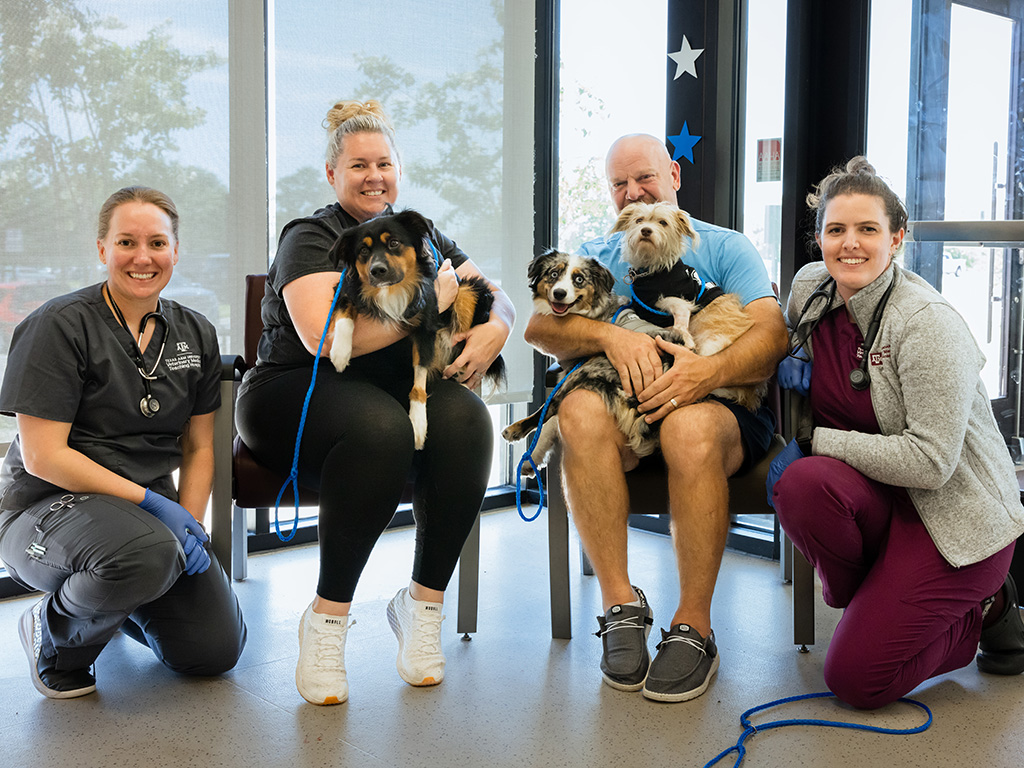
column 860, row 164
column 343, row 111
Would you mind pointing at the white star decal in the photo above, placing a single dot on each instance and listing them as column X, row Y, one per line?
column 686, row 59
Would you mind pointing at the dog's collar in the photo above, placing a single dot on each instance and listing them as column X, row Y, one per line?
column 633, row 273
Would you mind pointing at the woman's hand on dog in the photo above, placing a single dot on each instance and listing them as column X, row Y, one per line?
column 483, row 345
column 635, row 357
column 446, row 286
column 684, row 383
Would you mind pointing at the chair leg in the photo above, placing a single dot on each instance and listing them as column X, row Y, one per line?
column 239, row 544
column 469, row 582
column 558, row 552
column 803, row 601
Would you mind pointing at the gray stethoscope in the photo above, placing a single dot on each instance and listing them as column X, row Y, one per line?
column 149, row 405
column 859, row 378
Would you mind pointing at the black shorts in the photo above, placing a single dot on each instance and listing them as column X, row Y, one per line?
column 756, row 431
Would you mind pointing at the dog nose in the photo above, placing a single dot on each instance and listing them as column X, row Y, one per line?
column 645, row 232
column 379, row 270
column 558, row 293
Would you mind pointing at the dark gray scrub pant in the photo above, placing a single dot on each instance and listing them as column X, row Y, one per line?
column 106, row 564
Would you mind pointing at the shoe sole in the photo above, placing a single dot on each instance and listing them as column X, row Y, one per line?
column 26, row 632
column 630, row 687
column 992, row 663
column 396, row 628
column 329, row 700
column 686, row 695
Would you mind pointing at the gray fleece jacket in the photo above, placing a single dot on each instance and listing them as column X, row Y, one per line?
column 939, row 438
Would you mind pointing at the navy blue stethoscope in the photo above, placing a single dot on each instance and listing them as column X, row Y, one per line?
column 859, row 378
column 149, row 405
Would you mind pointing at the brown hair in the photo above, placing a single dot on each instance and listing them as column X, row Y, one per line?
column 348, row 117
column 858, row 178
column 137, row 194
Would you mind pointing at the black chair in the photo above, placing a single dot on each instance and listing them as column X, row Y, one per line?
column 242, row 483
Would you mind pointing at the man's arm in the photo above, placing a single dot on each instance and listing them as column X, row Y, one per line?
column 751, row 359
column 635, row 355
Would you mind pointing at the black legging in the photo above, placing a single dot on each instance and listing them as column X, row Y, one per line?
column 357, row 451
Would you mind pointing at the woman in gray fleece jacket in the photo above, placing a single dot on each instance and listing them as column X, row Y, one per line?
column 899, row 488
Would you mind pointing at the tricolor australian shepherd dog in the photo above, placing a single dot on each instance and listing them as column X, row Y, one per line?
column 389, row 273
column 709, row 319
column 564, row 284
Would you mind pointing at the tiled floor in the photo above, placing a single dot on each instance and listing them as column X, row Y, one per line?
column 511, row 697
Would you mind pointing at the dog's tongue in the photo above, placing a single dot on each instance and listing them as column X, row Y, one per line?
column 559, row 309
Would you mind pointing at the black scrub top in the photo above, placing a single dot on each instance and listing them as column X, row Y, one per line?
column 71, row 361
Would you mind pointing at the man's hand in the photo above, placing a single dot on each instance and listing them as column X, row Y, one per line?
column 635, row 357
column 684, row 383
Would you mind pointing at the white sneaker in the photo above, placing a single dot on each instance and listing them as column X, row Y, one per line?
column 320, row 673
column 417, row 625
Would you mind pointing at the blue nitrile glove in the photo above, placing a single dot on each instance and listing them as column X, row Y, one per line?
column 197, row 559
column 174, row 516
column 795, row 374
column 786, row 456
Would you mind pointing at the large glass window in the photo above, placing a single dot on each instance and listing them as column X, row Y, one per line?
column 454, row 77
column 942, row 120
column 97, row 95
column 603, row 96
column 763, row 114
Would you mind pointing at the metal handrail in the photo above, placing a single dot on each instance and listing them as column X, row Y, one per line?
column 986, row 234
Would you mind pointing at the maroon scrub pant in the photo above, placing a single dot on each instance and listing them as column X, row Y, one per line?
column 909, row 615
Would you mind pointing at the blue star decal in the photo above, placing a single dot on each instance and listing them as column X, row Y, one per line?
column 684, row 144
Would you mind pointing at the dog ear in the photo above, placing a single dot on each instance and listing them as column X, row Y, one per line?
column 419, row 232
column 686, row 228
column 538, row 266
column 622, row 223
column 342, row 250
column 602, row 276
column 414, row 222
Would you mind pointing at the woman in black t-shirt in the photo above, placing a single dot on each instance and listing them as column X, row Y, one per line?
column 114, row 389
column 357, row 445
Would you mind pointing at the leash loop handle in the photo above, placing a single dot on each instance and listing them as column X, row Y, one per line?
column 528, row 455
column 749, row 729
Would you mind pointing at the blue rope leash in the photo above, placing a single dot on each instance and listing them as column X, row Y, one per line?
column 527, row 456
column 293, row 476
column 750, row 729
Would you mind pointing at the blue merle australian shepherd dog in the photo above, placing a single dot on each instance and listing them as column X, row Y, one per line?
column 389, row 276
column 565, row 284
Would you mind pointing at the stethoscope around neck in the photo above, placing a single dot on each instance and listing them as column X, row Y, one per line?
column 149, row 405
column 859, row 378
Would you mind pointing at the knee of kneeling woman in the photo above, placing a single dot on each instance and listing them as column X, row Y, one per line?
column 848, row 681
column 151, row 568
column 790, row 493
column 219, row 655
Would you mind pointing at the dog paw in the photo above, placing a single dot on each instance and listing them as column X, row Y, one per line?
column 341, row 347
column 418, row 417
column 512, row 433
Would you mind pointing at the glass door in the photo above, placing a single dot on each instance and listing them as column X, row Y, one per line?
column 944, row 128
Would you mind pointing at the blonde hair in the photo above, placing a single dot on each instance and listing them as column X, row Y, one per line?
column 349, row 117
column 136, row 194
column 857, row 178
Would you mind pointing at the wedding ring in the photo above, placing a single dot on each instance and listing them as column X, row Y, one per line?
column 674, row 403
